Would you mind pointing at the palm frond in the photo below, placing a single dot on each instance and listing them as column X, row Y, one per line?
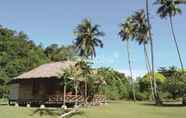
column 168, row 8
column 87, row 38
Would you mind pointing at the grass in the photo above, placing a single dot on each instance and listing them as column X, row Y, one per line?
column 119, row 109
column 12, row 112
column 131, row 110
column 24, row 112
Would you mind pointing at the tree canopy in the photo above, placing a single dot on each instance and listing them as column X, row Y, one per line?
column 18, row 54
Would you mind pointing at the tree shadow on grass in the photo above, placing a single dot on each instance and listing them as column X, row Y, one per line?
column 46, row 112
column 3, row 104
column 55, row 112
column 164, row 105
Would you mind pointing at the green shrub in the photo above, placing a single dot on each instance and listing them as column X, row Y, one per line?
column 142, row 96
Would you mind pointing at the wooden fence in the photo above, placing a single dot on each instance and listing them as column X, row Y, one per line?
column 59, row 99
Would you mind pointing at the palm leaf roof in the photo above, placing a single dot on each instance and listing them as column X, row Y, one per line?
column 49, row 70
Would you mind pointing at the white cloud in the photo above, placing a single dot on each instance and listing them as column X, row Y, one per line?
column 110, row 60
column 136, row 73
column 107, row 60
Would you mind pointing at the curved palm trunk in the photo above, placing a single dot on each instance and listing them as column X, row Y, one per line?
column 157, row 98
column 131, row 74
column 176, row 43
column 148, row 70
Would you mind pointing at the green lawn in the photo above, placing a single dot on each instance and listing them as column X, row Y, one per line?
column 131, row 110
column 112, row 110
column 24, row 112
column 12, row 112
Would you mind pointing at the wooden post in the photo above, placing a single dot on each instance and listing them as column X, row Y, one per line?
column 28, row 105
column 42, row 106
column 16, row 104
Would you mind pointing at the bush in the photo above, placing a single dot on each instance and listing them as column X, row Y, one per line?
column 165, row 95
column 112, row 93
column 142, row 96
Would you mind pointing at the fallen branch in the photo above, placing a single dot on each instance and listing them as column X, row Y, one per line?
column 69, row 113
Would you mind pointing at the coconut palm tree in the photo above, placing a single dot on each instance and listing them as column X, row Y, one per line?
column 72, row 73
column 126, row 33
column 86, row 41
column 64, row 76
column 142, row 37
column 156, row 95
column 148, row 66
column 84, row 71
column 170, row 8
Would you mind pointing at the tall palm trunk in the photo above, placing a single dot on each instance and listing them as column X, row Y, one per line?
column 85, row 84
column 76, row 92
column 131, row 74
column 176, row 43
column 64, row 94
column 157, row 99
column 85, row 99
column 148, row 70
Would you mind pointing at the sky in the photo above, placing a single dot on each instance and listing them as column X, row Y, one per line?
column 53, row 21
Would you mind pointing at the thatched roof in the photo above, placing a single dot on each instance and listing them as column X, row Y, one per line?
column 50, row 70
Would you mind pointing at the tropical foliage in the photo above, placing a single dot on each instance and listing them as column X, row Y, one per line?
column 171, row 84
column 55, row 52
column 18, row 53
column 127, row 33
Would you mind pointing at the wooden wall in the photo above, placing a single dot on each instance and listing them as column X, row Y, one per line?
column 14, row 91
column 39, row 88
column 25, row 89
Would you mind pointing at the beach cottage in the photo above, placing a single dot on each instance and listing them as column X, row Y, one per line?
column 42, row 85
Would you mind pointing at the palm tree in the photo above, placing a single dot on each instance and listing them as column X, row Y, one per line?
column 64, row 76
column 84, row 71
column 148, row 66
column 127, row 33
column 156, row 95
column 170, row 8
column 87, row 39
column 142, row 37
column 73, row 73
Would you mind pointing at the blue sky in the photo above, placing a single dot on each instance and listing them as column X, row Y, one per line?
column 53, row 21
